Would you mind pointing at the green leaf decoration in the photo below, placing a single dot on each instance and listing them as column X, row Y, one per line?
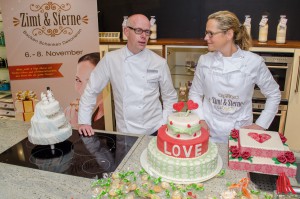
column 151, row 191
column 256, row 192
column 231, row 158
column 288, row 164
column 200, row 189
column 142, row 171
column 240, row 159
column 137, row 192
column 168, row 194
column 221, row 173
column 250, row 159
column 276, row 161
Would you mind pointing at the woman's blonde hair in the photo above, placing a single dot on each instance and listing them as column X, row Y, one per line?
column 228, row 20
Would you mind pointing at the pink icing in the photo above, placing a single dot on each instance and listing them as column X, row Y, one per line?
column 259, row 137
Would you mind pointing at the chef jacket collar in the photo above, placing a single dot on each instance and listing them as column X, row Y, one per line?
column 238, row 54
column 236, row 61
column 129, row 54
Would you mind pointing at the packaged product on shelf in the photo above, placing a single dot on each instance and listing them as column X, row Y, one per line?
column 263, row 29
column 281, row 30
column 247, row 24
column 124, row 24
column 153, row 28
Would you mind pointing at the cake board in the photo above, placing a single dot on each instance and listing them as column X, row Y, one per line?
column 153, row 173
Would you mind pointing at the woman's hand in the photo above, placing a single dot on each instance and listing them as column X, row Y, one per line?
column 204, row 125
column 86, row 130
column 253, row 126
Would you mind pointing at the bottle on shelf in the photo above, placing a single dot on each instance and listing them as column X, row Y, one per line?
column 263, row 29
column 247, row 24
column 153, row 28
column 281, row 30
column 124, row 24
column 2, row 40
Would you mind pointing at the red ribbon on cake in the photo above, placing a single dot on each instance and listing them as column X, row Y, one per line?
column 283, row 184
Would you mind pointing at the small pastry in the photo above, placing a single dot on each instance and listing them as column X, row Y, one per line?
column 153, row 196
column 115, row 175
column 112, row 192
column 132, row 187
column 145, row 177
column 157, row 188
column 176, row 195
column 165, row 185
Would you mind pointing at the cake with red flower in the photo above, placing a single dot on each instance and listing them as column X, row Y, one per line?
column 181, row 152
column 260, row 151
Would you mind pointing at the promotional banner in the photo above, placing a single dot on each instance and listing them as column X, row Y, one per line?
column 48, row 44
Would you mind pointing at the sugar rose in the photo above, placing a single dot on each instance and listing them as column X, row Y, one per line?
column 233, row 148
column 282, row 159
column 290, row 157
column 283, row 139
column 235, row 153
column 234, row 134
column 246, row 155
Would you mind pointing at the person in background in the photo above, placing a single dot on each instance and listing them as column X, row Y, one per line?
column 85, row 66
column 138, row 77
column 224, row 80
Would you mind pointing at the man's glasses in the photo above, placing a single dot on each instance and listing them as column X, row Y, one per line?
column 140, row 31
column 211, row 34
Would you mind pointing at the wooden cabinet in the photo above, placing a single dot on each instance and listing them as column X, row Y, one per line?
column 292, row 120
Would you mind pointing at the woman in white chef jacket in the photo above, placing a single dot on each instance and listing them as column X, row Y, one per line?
column 225, row 77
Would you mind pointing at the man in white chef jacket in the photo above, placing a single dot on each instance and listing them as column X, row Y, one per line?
column 138, row 77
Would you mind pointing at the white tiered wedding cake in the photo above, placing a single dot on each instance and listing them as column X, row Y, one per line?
column 48, row 124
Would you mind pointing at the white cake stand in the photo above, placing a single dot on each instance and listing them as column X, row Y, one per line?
column 154, row 173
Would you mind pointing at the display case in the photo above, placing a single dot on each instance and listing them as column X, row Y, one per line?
column 182, row 61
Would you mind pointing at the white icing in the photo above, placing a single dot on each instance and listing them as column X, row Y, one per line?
column 180, row 120
column 274, row 143
column 48, row 124
column 198, row 150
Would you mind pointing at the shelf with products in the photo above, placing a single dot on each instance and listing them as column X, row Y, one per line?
column 6, row 105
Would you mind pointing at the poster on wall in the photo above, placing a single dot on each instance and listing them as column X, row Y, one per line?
column 51, row 44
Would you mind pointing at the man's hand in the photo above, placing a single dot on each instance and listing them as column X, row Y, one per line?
column 253, row 126
column 204, row 125
column 86, row 130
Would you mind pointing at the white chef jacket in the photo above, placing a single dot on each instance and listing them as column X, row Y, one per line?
column 223, row 88
column 137, row 81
